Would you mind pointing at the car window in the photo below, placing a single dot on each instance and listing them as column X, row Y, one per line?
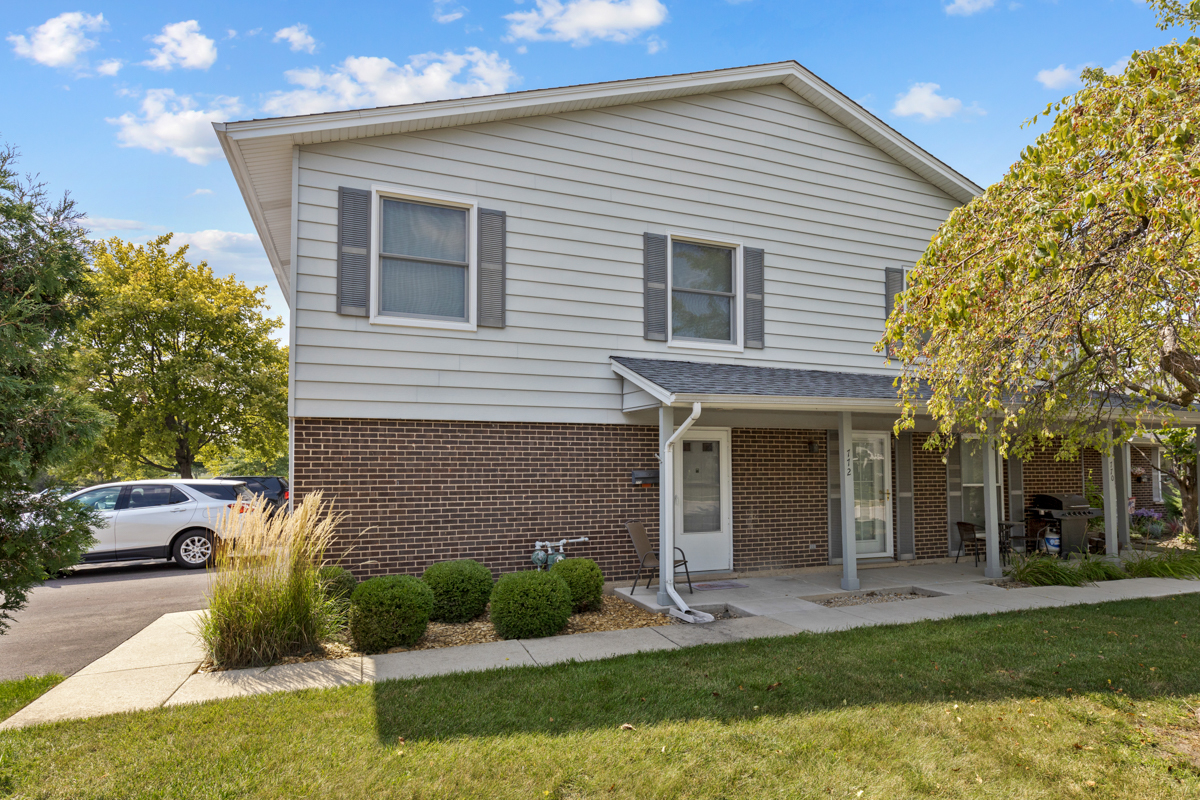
column 149, row 496
column 244, row 492
column 255, row 486
column 177, row 496
column 104, row 499
column 216, row 491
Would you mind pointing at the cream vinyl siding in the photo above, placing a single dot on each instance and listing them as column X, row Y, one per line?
column 580, row 189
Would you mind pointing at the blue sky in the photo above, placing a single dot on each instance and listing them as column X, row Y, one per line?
column 113, row 100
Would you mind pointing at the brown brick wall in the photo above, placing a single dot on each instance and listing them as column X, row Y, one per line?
column 1046, row 475
column 780, row 499
column 419, row 492
column 929, row 493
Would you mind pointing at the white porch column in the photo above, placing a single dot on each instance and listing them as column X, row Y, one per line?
column 1125, row 488
column 846, row 484
column 666, row 498
column 1110, row 503
column 991, row 513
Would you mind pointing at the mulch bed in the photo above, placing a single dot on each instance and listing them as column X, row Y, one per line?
column 614, row 615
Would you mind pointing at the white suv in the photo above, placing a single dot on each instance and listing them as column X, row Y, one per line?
column 159, row 518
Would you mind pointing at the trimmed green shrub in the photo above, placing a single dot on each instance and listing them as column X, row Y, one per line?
column 389, row 611
column 584, row 579
column 461, row 589
column 1038, row 570
column 1097, row 568
column 529, row 605
column 339, row 582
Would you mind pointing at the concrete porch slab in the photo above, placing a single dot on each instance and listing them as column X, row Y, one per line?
column 468, row 658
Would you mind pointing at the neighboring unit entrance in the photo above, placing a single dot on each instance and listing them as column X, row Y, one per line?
column 873, row 494
column 704, row 499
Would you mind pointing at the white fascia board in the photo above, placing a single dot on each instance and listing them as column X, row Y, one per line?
column 649, row 387
column 233, row 154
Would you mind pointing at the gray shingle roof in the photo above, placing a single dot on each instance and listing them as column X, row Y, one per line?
column 693, row 377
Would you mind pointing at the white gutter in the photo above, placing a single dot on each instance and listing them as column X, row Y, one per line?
column 666, row 576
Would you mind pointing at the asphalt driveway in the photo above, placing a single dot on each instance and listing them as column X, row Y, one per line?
column 72, row 621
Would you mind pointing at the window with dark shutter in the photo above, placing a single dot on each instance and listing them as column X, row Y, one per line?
column 752, row 258
column 893, row 282
column 654, row 283
column 354, row 239
column 492, row 256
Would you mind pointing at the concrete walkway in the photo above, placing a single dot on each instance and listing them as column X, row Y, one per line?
column 157, row 667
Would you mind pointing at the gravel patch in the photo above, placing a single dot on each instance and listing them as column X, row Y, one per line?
column 871, row 598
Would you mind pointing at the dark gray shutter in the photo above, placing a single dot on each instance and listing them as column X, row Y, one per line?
column 906, row 522
column 354, row 241
column 654, row 277
column 492, row 261
column 1016, row 494
column 835, row 496
column 893, row 284
column 752, row 258
column 954, row 506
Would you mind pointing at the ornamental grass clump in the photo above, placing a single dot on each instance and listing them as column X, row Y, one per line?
column 389, row 611
column 1098, row 568
column 266, row 597
column 1039, row 570
column 461, row 590
column 530, row 605
column 584, row 579
column 1174, row 563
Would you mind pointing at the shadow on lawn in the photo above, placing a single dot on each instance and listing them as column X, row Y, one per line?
column 1043, row 653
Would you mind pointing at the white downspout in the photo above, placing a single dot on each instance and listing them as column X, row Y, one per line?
column 667, row 557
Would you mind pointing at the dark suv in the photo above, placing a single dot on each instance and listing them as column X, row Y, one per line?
column 269, row 486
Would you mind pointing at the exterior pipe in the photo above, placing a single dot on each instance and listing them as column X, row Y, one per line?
column 666, row 559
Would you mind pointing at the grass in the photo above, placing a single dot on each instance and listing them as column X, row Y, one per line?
column 15, row 695
column 1039, row 570
column 1084, row 701
column 266, row 596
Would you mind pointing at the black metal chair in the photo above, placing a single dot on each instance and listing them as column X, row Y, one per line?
column 967, row 540
column 648, row 556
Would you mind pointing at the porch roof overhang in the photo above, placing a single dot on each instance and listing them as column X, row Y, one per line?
column 681, row 383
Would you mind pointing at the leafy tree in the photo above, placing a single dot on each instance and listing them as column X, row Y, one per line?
column 1064, row 300
column 43, row 292
column 182, row 360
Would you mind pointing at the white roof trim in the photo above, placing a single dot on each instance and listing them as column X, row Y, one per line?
column 390, row 120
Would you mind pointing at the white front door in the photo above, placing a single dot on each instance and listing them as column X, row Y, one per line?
column 704, row 499
column 873, row 494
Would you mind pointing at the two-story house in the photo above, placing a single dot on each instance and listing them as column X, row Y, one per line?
column 503, row 306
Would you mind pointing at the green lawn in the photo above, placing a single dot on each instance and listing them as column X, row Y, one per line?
column 1089, row 701
column 15, row 695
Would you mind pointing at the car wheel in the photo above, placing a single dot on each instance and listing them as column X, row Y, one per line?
column 193, row 549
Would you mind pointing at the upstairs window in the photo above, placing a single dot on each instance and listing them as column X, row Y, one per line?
column 424, row 270
column 704, row 283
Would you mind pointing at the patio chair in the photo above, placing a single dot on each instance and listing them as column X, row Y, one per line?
column 648, row 556
column 967, row 540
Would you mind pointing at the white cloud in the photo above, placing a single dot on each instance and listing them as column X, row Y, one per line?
column 522, row 49
column 297, row 37
column 214, row 241
column 445, row 15
column 654, row 44
column 1119, row 67
column 923, row 100
column 966, row 8
column 59, row 41
column 182, row 45
column 112, row 224
column 230, row 34
column 110, row 67
column 449, row 17
column 365, row 82
column 174, row 124
column 200, row 192
column 1059, row 77
column 581, row 21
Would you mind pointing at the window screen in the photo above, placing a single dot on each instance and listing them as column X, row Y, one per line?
column 702, row 292
column 423, row 269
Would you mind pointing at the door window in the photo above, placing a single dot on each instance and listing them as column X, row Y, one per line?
column 104, row 499
column 872, row 484
column 701, row 486
column 149, row 496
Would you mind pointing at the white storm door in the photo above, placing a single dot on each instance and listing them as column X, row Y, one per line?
column 704, row 499
column 873, row 494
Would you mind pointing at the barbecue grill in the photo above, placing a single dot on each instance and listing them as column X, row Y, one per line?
column 1071, row 513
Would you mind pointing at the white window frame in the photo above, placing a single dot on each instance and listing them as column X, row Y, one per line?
column 471, row 205
column 737, row 345
column 889, row 498
column 999, row 473
column 1156, row 494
